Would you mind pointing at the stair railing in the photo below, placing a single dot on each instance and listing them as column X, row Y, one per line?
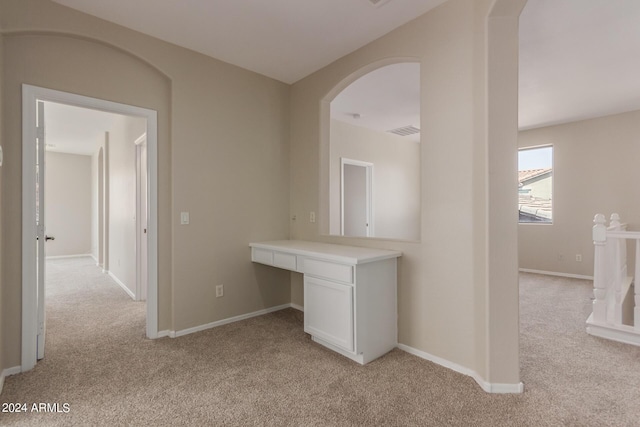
column 610, row 280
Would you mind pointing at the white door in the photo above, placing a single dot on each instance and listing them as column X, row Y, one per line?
column 41, row 237
column 356, row 200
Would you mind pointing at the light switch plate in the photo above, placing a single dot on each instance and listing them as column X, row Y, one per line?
column 184, row 218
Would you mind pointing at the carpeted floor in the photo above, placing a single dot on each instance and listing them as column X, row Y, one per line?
column 266, row 370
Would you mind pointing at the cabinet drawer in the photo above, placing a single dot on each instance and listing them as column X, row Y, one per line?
column 286, row 261
column 328, row 270
column 262, row 256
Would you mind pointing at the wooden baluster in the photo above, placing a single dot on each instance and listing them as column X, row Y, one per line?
column 599, row 273
column 636, row 284
column 618, row 267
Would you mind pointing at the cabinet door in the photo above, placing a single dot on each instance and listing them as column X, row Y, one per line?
column 328, row 311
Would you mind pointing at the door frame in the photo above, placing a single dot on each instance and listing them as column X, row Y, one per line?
column 141, row 220
column 369, row 201
column 40, row 229
column 31, row 94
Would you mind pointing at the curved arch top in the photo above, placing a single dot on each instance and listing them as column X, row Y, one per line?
column 19, row 33
column 362, row 71
column 340, row 140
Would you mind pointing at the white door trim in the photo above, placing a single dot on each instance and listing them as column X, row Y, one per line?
column 41, row 230
column 369, row 170
column 141, row 219
column 29, row 292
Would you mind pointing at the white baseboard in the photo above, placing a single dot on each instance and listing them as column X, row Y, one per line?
column 5, row 373
column 621, row 333
column 486, row 386
column 122, row 285
column 12, row 371
column 555, row 273
column 69, row 256
column 175, row 334
column 499, row 388
column 297, row 307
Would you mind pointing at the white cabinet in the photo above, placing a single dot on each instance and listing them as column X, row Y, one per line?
column 350, row 293
column 328, row 311
column 329, row 270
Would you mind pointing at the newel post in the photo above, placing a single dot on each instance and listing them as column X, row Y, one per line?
column 599, row 272
column 614, row 221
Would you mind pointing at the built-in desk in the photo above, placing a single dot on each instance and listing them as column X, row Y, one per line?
column 350, row 293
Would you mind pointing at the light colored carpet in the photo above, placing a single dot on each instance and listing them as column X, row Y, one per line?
column 266, row 370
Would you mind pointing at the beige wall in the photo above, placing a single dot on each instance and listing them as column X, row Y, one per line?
column 594, row 172
column 122, row 198
column 443, row 288
column 396, row 180
column 223, row 155
column 68, row 204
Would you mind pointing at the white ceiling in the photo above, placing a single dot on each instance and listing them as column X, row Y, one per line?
column 75, row 130
column 578, row 58
column 385, row 99
column 283, row 39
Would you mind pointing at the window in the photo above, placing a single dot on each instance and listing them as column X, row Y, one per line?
column 535, row 185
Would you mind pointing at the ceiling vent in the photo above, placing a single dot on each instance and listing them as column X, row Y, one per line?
column 378, row 3
column 405, row 131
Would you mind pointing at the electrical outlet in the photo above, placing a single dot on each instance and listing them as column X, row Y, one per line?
column 219, row 291
column 579, row 258
column 312, row 217
column 294, row 217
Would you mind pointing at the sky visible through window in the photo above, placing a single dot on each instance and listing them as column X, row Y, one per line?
column 535, row 158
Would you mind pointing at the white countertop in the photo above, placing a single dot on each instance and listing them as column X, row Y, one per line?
column 339, row 253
